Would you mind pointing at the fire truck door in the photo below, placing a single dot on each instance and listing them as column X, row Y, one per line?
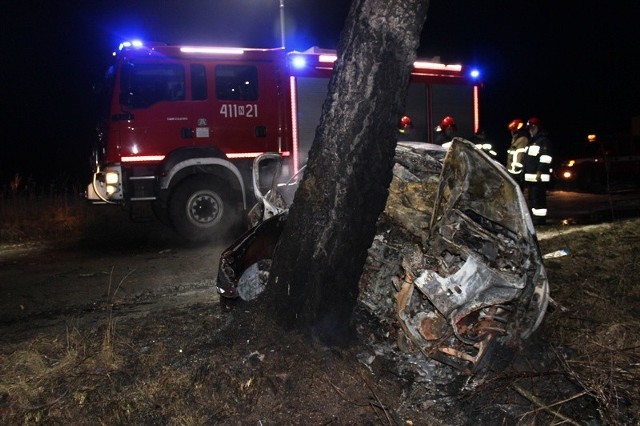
column 245, row 108
column 157, row 118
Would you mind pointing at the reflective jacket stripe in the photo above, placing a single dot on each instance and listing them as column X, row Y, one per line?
column 539, row 212
column 533, row 177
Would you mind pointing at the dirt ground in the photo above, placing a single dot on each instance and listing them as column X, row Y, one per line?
column 131, row 331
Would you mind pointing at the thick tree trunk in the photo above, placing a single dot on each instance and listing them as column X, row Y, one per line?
column 314, row 277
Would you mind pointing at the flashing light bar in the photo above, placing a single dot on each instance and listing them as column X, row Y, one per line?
column 424, row 65
column 253, row 154
column 212, row 50
column 418, row 64
column 142, row 158
column 133, row 43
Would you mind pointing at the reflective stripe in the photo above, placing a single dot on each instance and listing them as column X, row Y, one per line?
column 515, row 168
column 546, row 159
column 533, row 150
column 142, row 158
column 539, row 212
column 533, row 177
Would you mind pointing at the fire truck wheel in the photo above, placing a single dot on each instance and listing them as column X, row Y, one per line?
column 200, row 209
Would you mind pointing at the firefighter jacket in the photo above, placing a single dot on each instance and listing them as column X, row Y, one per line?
column 516, row 151
column 537, row 159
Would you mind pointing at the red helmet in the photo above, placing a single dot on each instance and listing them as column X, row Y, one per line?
column 405, row 121
column 515, row 125
column 447, row 122
column 534, row 121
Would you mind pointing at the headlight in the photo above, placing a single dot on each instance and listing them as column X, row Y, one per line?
column 112, row 178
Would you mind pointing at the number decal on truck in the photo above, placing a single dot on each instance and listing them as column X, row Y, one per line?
column 235, row 110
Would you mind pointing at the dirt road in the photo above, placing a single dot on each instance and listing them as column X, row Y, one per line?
column 134, row 271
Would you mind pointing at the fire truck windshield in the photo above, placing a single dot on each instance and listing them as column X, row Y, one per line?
column 145, row 84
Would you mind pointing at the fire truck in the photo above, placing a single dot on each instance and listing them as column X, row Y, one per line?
column 182, row 125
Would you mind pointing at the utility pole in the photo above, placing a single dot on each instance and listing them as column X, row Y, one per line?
column 282, row 41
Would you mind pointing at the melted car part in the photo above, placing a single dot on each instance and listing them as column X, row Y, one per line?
column 254, row 246
column 475, row 279
column 455, row 267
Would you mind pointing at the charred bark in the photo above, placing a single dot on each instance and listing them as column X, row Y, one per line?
column 314, row 277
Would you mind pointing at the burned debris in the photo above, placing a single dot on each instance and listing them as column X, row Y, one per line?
column 454, row 269
column 463, row 275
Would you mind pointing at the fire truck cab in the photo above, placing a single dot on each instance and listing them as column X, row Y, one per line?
column 182, row 125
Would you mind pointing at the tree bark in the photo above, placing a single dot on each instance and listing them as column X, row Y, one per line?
column 313, row 284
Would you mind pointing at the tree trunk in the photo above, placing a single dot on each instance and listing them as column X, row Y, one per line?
column 313, row 284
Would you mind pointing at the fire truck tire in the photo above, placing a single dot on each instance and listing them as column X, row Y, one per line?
column 200, row 209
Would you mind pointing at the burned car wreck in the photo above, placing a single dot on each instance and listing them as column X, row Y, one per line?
column 455, row 266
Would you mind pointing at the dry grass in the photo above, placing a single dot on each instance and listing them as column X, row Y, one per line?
column 596, row 323
column 27, row 216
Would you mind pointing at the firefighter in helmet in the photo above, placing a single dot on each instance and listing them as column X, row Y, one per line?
column 537, row 170
column 445, row 132
column 515, row 153
column 405, row 128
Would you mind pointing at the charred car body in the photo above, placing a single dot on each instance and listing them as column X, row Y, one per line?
column 454, row 269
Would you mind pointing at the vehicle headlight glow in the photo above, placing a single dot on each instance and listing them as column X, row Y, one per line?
column 112, row 178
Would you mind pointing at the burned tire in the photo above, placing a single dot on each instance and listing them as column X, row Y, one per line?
column 201, row 209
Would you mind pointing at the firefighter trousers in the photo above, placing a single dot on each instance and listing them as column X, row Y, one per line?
column 537, row 199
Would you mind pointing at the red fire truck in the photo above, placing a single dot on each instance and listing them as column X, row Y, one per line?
column 182, row 125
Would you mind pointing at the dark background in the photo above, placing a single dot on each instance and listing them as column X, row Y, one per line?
column 573, row 64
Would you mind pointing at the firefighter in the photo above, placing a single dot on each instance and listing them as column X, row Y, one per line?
column 480, row 140
column 537, row 170
column 405, row 128
column 519, row 142
column 445, row 132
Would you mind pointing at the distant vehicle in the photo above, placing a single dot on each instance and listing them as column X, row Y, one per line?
column 605, row 164
column 182, row 124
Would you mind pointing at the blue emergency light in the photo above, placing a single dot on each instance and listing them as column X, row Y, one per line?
column 299, row 62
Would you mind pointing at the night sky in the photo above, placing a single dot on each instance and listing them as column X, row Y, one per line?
column 573, row 64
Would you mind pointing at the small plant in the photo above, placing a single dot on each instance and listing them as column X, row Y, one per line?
column 110, row 326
